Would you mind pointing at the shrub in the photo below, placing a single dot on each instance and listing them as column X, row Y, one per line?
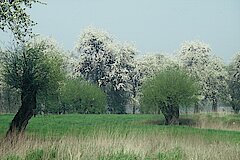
column 82, row 96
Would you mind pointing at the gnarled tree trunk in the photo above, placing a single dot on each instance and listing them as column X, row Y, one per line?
column 24, row 114
column 171, row 114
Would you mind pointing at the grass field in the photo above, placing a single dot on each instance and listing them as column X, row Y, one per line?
column 131, row 137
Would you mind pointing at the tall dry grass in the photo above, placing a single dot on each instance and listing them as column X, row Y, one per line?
column 144, row 146
column 219, row 121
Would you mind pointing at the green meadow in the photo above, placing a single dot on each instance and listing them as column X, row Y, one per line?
column 131, row 137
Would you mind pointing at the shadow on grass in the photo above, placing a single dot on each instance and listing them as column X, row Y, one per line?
column 182, row 122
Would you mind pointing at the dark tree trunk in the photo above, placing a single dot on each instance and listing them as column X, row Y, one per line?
column 235, row 109
column 214, row 105
column 175, row 116
column 196, row 108
column 134, row 109
column 24, row 114
column 134, row 96
column 171, row 114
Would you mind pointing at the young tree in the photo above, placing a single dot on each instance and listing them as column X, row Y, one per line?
column 234, row 83
column 167, row 91
column 31, row 68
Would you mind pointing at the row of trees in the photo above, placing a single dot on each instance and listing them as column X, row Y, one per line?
column 117, row 70
column 35, row 73
column 106, row 75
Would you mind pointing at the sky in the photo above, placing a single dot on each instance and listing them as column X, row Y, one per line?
column 154, row 26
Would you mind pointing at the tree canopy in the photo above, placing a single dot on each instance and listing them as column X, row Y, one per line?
column 234, row 83
column 107, row 64
column 32, row 68
column 14, row 17
column 167, row 91
column 196, row 58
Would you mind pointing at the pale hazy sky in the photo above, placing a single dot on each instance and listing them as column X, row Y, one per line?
column 152, row 25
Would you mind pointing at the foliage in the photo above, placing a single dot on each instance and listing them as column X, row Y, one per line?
column 96, row 54
column 77, row 95
column 48, row 102
column 208, row 70
column 167, row 91
column 145, row 67
column 234, row 83
column 151, row 64
column 38, row 62
column 15, row 18
column 122, row 86
column 33, row 68
column 215, row 80
column 107, row 64
column 170, row 83
column 9, row 99
column 195, row 56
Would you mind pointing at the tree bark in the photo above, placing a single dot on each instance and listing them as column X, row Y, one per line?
column 196, row 108
column 214, row 104
column 175, row 116
column 134, row 109
column 171, row 114
column 24, row 114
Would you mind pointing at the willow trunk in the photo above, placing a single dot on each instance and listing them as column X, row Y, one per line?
column 24, row 114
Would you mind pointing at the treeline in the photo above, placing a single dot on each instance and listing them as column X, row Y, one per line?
column 102, row 75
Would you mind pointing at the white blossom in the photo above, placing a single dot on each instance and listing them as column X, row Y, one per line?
column 106, row 62
column 207, row 69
